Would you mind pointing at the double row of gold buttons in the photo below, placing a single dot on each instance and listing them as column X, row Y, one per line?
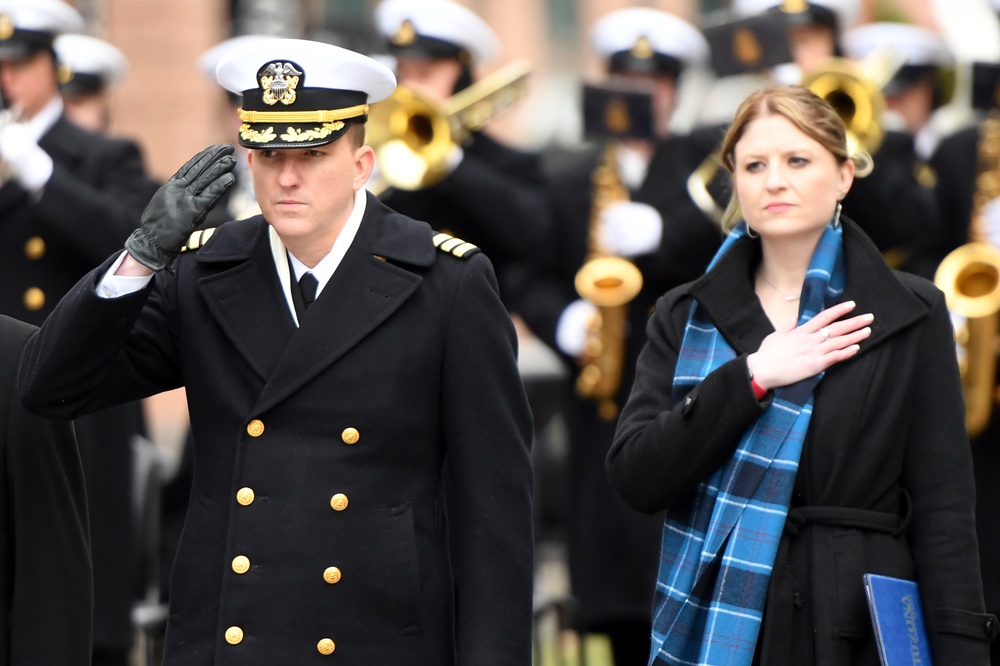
column 241, row 563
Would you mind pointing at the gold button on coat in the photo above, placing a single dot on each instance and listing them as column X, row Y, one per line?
column 255, row 428
column 245, row 496
column 34, row 248
column 34, row 298
column 234, row 635
column 326, row 646
column 350, row 435
column 331, row 575
column 339, row 502
column 241, row 564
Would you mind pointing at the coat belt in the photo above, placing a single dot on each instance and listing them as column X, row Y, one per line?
column 842, row 516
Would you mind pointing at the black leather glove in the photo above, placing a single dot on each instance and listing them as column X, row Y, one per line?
column 180, row 204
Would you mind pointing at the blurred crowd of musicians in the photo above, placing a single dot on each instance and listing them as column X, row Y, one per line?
column 637, row 189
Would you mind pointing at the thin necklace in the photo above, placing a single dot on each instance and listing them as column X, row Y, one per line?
column 770, row 284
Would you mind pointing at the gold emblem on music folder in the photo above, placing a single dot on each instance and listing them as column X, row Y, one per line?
column 617, row 117
column 746, row 48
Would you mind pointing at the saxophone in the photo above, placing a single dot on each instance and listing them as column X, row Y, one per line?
column 609, row 282
column 969, row 276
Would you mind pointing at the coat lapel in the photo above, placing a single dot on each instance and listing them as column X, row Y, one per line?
column 364, row 291
column 245, row 296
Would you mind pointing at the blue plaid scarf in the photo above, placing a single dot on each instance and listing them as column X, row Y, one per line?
column 718, row 549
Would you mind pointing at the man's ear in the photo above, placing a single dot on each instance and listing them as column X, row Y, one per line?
column 364, row 162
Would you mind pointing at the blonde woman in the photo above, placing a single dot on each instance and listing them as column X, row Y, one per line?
column 798, row 411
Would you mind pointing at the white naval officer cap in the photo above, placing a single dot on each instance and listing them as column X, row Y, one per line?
column 435, row 29
column 299, row 93
column 647, row 41
column 837, row 14
column 28, row 27
column 208, row 62
column 88, row 64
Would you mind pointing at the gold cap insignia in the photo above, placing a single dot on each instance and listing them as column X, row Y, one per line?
column 794, row 6
column 64, row 74
column 746, row 48
column 406, row 34
column 6, row 26
column 616, row 116
column 642, row 49
column 279, row 81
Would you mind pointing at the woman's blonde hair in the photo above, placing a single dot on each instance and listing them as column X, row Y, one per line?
column 807, row 111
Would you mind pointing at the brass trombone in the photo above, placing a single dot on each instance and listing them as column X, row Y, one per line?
column 413, row 136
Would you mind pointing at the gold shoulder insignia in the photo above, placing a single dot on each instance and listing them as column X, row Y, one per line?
column 456, row 246
column 197, row 239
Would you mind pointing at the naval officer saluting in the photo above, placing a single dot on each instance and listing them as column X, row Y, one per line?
column 317, row 523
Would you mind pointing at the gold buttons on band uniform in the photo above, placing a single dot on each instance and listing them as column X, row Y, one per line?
column 350, row 435
column 255, row 428
column 332, row 575
column 338, row 502
column 326, row 646
column 234, row 635
column 245, row 496
column 34, row 298
column 34, row 248
column 241, row 564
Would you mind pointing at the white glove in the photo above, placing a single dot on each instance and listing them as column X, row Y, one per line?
column 571, row 331
column 991, row 221
column 28, row 164
column 630, row 229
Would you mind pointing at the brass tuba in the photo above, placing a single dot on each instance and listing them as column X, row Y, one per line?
column 610, row 282
column 969, row 276
column 413, row 136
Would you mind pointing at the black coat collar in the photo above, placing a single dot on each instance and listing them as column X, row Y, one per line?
column 386, row 234
column 727, row 292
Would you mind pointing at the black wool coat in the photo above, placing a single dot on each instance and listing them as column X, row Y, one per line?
column 885, row 483
column 612, row 554
column 45, row 570
column 317, row 509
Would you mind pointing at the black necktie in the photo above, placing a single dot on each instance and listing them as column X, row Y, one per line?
column 307, row 287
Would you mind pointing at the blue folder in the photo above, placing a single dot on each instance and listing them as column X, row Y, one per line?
column 898, row 620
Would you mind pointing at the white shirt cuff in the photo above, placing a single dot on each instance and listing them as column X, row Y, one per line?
column 113, row 286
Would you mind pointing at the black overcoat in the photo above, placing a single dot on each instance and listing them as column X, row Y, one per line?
column 91, row 204
column 885, row 481
column 45, row 571
column 319, row 450
column 612, row 553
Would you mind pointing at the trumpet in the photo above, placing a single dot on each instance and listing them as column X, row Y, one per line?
column 413, row 136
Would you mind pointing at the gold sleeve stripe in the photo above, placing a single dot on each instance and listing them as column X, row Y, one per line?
column 197, row 239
